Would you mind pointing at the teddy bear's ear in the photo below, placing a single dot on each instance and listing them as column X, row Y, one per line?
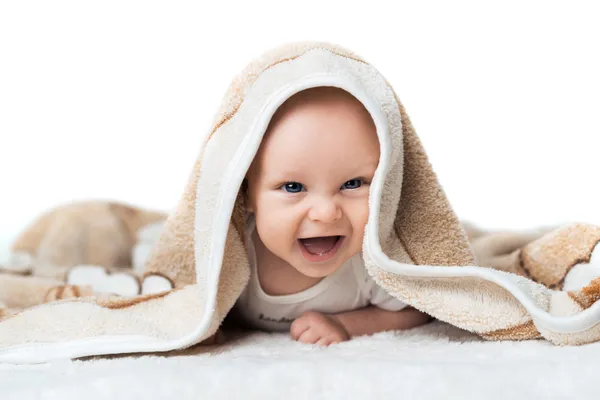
column 128, row 215
column 123, row 211
column 135, row 218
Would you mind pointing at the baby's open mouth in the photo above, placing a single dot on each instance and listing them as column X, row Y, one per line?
column 320, row 245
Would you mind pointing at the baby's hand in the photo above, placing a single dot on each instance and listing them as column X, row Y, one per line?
column 314, row 327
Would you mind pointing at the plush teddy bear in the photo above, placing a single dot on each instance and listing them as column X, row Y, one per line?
column 97, row 233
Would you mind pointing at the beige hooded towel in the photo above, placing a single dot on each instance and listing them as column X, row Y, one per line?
column 414, row 245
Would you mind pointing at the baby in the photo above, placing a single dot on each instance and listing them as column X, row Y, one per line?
column 307, row 194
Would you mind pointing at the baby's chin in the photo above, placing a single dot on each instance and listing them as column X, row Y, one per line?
column 318, row 270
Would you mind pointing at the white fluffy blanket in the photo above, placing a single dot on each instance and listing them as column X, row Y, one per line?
column 434, row 361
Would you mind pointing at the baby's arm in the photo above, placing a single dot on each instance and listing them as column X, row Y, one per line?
column 371, row 319
column 326, row 329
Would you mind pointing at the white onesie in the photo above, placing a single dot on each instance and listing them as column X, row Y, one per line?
column 348, row 288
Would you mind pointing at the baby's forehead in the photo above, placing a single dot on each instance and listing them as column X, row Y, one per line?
column 322, row 101
column 329, row 116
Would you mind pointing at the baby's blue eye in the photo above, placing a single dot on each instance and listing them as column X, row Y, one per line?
column 293, row 187
column 353, row 184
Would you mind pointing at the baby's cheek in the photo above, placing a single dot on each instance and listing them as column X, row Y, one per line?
column 359, row 220
column 274, row 232
column 359, row 215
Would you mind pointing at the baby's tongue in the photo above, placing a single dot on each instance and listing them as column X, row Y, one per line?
column 319, row 245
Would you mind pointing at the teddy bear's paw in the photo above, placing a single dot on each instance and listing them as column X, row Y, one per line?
column 156, row 284
column 17, row 262
column 67, row 292
column 102, row 281
column 583, row 273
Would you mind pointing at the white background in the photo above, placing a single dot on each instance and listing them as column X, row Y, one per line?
column 111, row 99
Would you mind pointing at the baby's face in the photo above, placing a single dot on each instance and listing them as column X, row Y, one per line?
column 309, row 183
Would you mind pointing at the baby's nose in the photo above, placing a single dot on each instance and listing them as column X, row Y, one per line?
column 325, row 210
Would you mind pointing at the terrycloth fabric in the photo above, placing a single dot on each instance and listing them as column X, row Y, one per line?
column 414, row 246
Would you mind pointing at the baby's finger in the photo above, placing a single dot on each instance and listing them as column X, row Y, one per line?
column 309, row 336
column 298, row 327
column 324, row 341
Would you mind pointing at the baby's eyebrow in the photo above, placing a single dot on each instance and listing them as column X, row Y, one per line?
column 362, row 168
column 283, row 170
column 283, row 176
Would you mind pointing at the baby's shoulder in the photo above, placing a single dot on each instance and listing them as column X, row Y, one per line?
column 359, row 271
